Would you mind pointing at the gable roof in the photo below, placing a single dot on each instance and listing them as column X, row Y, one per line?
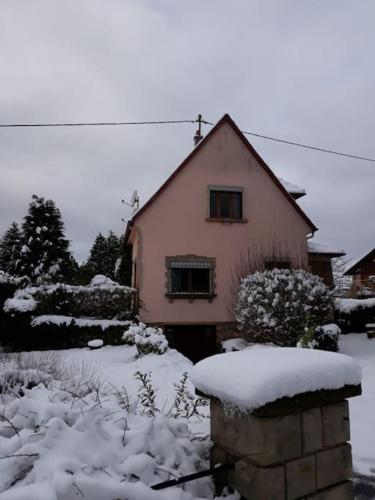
column 360, row 262
column 225, row 119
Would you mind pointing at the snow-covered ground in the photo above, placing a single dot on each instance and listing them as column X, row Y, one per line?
column 73, row 445
column 362, row 408
column 65, row 442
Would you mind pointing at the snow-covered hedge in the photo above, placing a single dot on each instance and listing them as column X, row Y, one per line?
column 147, row 339
column 103, row 298
column 352, row 315
column 278, row 305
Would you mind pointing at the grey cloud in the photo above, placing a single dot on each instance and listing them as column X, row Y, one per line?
column 293, row 69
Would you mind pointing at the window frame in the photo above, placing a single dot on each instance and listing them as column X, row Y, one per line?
column 226, row 189
column 208, row 263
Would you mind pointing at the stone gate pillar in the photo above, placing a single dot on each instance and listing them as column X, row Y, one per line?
column 291, row 447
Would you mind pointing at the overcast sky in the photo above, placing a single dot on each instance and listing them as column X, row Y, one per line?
column 301, row 70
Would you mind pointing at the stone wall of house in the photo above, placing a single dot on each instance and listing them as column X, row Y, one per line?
column 294, row 452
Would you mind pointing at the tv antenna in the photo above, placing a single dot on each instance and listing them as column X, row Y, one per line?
column 134, row 202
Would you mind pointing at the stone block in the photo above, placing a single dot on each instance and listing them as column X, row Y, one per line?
column 300, row 477
column 312, row 436
column 262, row 440
column 335, row 421
column 333, row 465
column 342, row 491
column 253, row 482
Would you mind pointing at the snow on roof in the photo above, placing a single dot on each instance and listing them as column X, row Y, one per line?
column 292, row 188
column 251, row 378
column 314, row 247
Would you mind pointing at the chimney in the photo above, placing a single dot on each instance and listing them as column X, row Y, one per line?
column 198, row 134
column 198, row 137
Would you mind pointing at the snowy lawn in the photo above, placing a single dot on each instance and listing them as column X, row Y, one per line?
column 102, row 444
column 362, row 408
column 73, row 444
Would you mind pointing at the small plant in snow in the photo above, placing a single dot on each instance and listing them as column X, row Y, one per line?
column 147, row 339
column 146, row 394
column 307, row 340
column 185, row 404
column 278, row 305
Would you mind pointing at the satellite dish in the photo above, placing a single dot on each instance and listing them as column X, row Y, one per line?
column 135, row 210
column 134, row 198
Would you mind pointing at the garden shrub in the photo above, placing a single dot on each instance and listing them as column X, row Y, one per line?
column 327, row 337
column 323, row 337
column 147, row 339
column 277, row 305
column 103, row 298
column 8, row 286
column 352, row 315
column 60, row 316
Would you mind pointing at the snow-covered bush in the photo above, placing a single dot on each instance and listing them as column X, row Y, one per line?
column 147, row 339
column 325, row 338
column 278, row 305
column 352, row 315
column 23, row 301
column 103, row 298
column 8, row 286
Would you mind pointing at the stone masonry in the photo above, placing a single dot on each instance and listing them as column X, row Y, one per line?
column 295, row 448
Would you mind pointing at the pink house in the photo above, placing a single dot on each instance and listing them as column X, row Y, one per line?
column 221, row 213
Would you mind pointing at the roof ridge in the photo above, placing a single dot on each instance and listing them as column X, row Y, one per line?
column 225, row 118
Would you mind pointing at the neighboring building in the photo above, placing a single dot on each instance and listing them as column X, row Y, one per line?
column 221, row 214
column 320, row 261
column 363, row 276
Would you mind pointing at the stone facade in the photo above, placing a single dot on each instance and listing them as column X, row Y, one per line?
column 281, row 455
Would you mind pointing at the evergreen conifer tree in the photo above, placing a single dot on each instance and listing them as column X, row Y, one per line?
column 123, row 271
column 10, row 246
column 45, row 254
column 112, row 254
column 94, row 264
column 103, row 255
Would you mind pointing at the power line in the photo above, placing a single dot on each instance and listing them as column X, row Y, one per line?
column 173, row 122
column 91, row 124
column 300, row 145
column 315, row 148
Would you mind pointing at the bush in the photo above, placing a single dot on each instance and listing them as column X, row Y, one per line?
column 324, row 337
column 147, row 339
column 352, row 315
column 327, row 337
column 278, row 305
column 8, row 286
column 103, row 298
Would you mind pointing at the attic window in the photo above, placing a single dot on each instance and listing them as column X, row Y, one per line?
column 190, row 277
column 226, row 204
